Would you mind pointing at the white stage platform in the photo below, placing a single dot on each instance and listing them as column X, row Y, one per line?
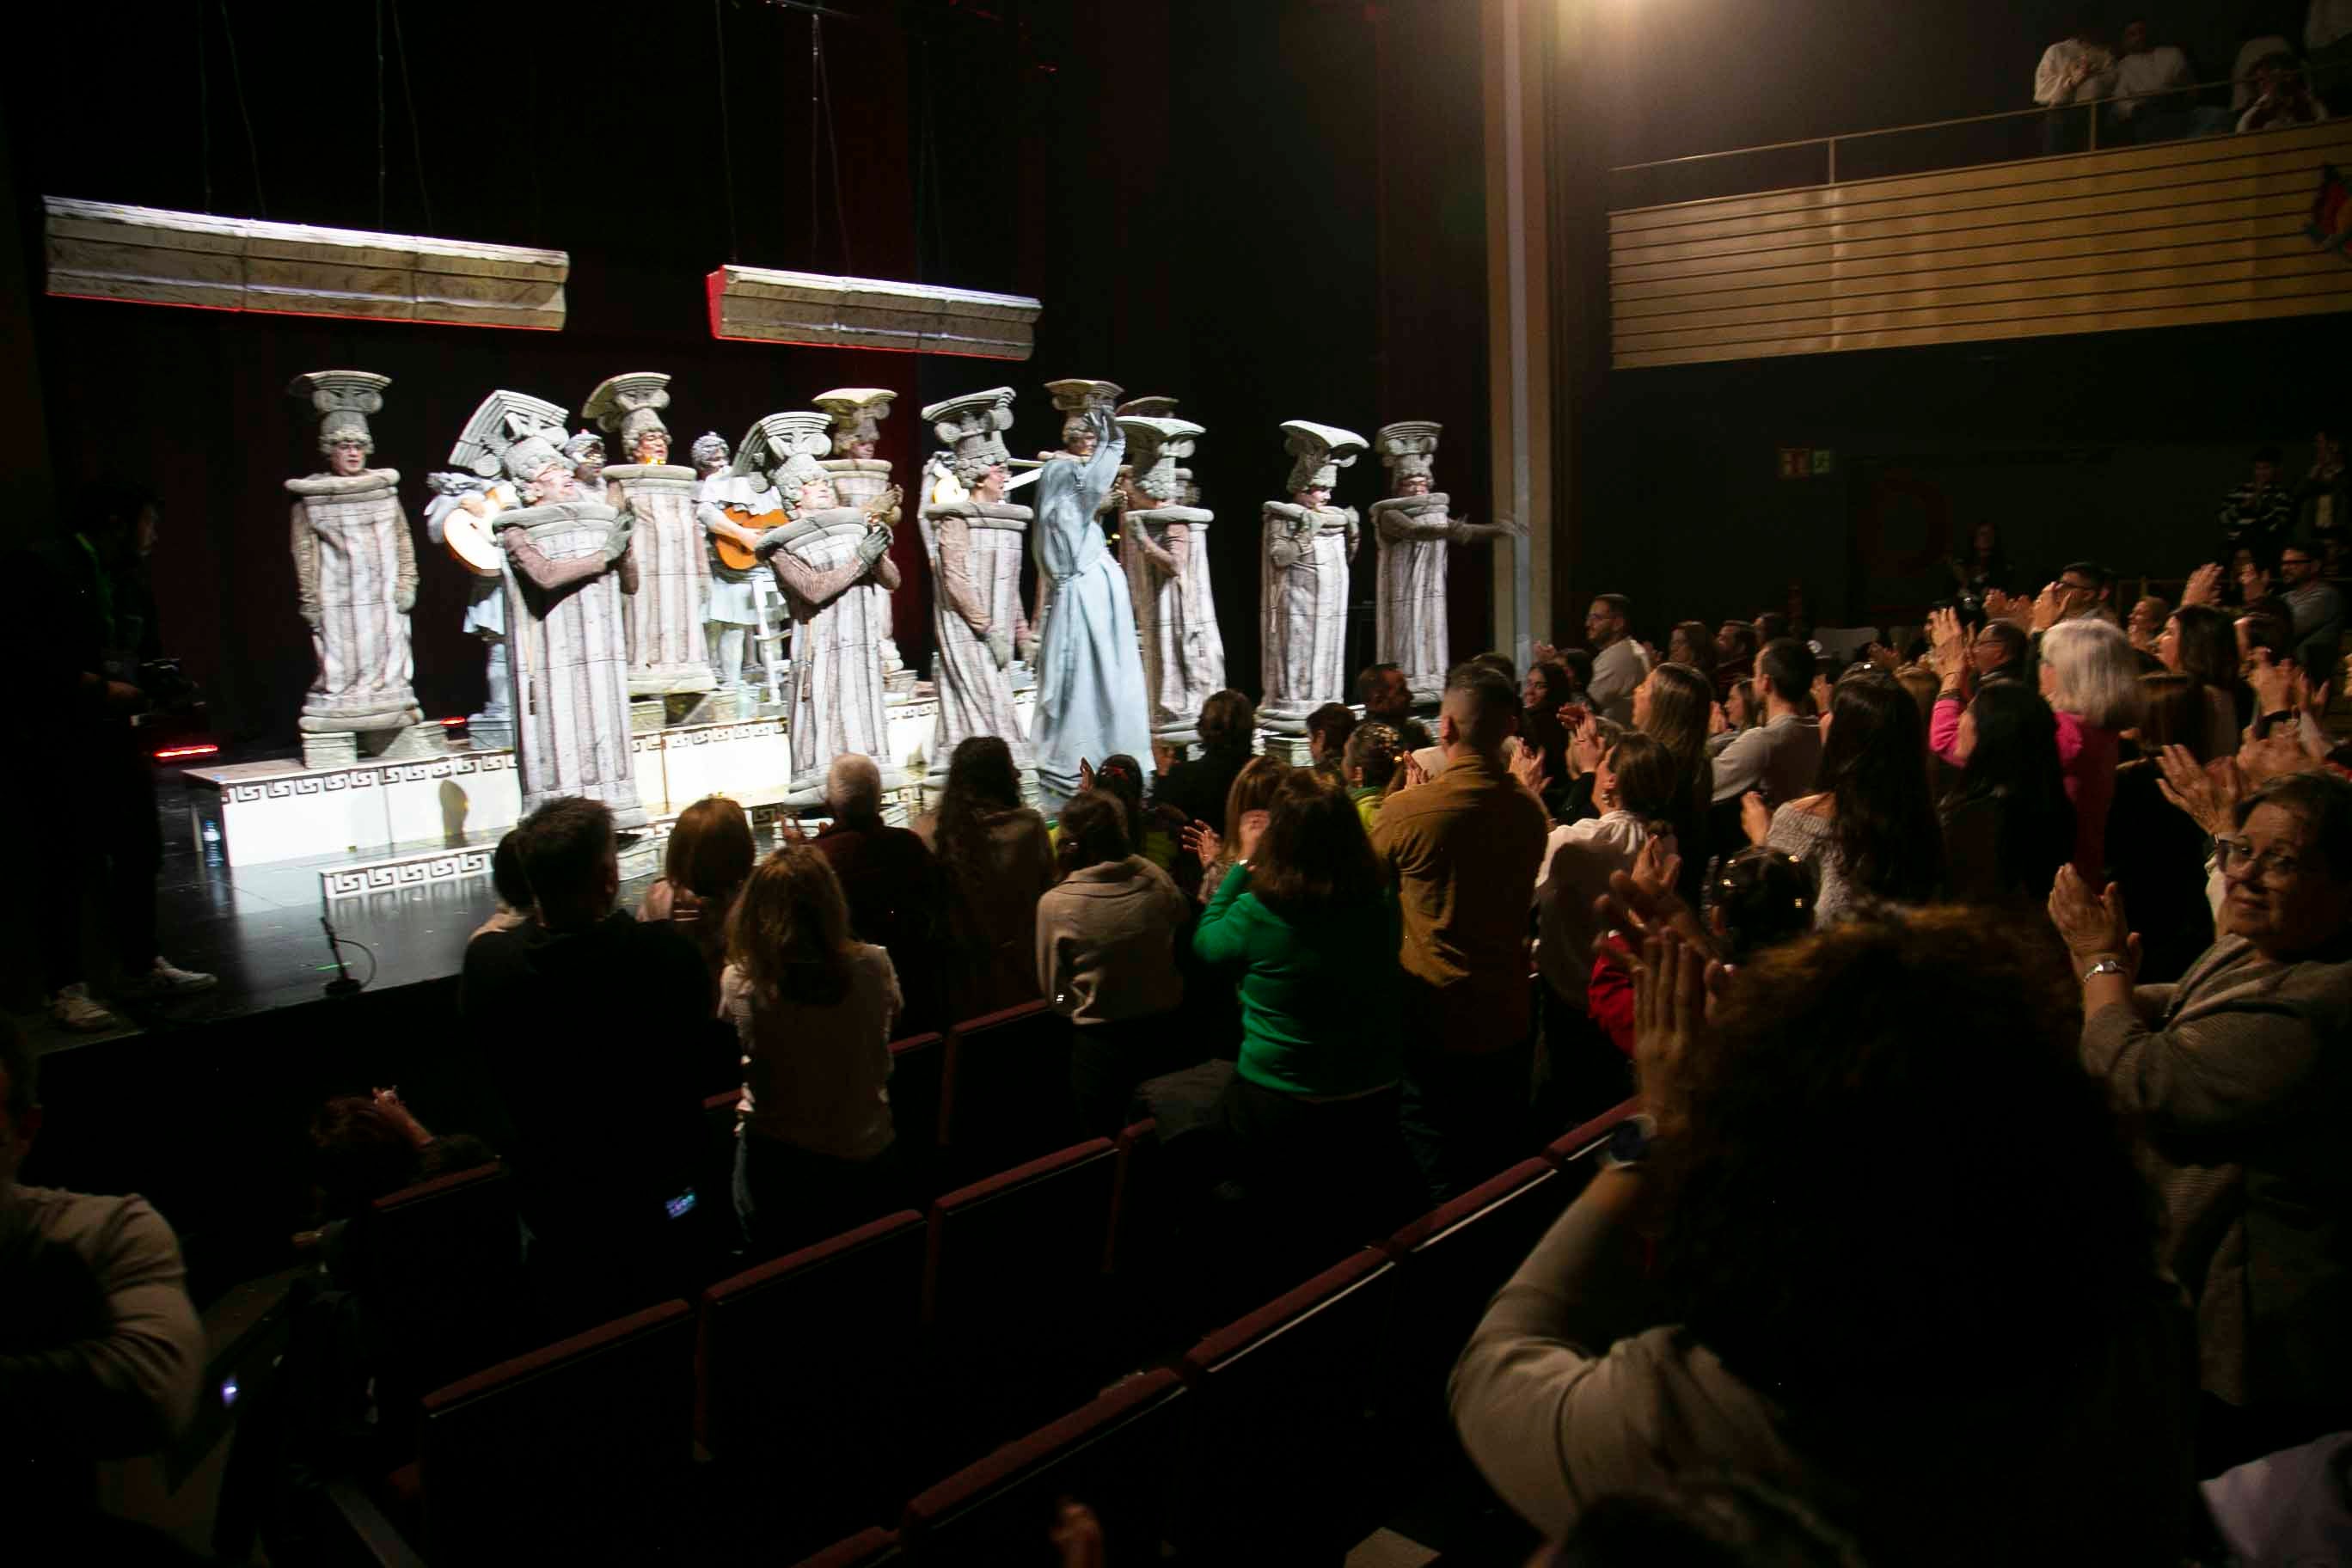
column 417, row 821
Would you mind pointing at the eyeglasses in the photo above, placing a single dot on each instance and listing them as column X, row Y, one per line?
column 2237, row 855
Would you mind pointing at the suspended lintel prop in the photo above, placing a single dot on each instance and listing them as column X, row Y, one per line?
column 760, row 305
column 101, row 250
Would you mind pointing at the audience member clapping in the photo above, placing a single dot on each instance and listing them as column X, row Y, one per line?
column 1674, row 706
column 509, row 885
column 1106, row 959
column 2199, row 642
column 2155, row 853
column 1463, row 851
column 2090, row 681
column 709, row 854
column 2235, row 1078
column 998, row 859
column 815, row 1009
column 1839, row 1309
column 1215, row 849
column 1871, row 833
column 1374, row 751
column 1152, row 829
column 891, row 884
column 1197, row 787
column 1778, row 757
column 2008, row 825
column 1619, row 662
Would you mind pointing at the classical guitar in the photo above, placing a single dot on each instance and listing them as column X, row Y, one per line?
column 736, row 557
column 466, row 534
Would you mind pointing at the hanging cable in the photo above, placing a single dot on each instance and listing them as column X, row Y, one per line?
column 245, row 112
column 833, row 146
column 203, row 114
column 379, row 114
column 408, row 101
column 816, row 43
column 726, row 131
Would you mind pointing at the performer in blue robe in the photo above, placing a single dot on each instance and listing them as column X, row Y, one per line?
column 1090, row 702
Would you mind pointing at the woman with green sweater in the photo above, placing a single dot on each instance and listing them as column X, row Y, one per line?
column 1308, row 923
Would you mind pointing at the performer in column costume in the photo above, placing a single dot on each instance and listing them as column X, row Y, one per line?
column 486, row 603
column 356, row 565
column 1165, row 546
column 1309, row 544
column 974, row 538
column 667, row 652
column 732, row 609
column 1090, row 700
column 585, row 451
column 833, row 564
column 567, row 565
column 858, row 476
column 1076, row 399
column 1415, row 535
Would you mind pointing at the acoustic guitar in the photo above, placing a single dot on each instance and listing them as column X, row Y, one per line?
column 468, row 539
column 736, row 557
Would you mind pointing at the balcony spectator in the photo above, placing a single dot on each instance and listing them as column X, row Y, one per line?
column 2233, row 1077
column 1619, row 665
column 2282, row 98
column 2324, row 501
column 2147, row 106
column 2327, row 44
column 2251, row 54
column 2256, row 516
column 2315, row 609
column 2079, row 68
column 1986, row 566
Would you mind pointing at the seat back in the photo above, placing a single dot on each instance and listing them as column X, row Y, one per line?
column 802, row 1369
column 580, row 1451
column 867, row 1549
column 1454, row 1260
column 1011, row 1289
column 1577, row 1144
column 1290, row 1456
column 917, row 1078
column 1006, row 1095
column 1116, row 1455
column 439, row 1268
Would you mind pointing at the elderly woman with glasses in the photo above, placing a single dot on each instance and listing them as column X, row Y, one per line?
column 2240, row 1079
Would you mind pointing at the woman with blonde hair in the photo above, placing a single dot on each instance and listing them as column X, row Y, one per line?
column 812, row 1008
column 2090, row 677
column 1252, row 793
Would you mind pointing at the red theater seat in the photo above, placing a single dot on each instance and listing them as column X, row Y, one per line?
column 579, row 1452
column 1007, row 1091
column 918, row 1071
column 865, row 1549
column 1578, row 1142
column 1011, row 1289
column 1117, row 1456
column 1290, row 1455
column 438, row 1267
column 804, row 1370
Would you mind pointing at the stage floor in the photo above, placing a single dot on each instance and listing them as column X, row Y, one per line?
column 257, row 927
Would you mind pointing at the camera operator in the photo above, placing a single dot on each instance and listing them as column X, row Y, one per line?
column 85, row 622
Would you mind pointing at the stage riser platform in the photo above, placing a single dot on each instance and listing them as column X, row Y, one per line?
column 269, row 812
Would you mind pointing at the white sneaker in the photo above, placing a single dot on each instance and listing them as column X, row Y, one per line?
column 75, row 1009
column 167, row 979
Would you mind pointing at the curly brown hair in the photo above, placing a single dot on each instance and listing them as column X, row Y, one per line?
column 1887, row 1168
column 1313, row 854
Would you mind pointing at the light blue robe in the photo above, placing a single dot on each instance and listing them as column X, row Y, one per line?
column 1090, row 700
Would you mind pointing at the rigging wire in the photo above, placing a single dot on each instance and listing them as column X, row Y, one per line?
column 726, row 131
column 816, row 47
column 379, row 114
column 245, row 112
column 408, row 100
column 832, row 144
column 203, row 114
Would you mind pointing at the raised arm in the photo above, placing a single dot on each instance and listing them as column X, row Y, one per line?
column 1101, row 470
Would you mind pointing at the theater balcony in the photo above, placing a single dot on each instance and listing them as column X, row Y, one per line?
column 2214, row 228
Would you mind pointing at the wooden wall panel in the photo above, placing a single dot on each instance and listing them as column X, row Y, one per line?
column 2174, row 234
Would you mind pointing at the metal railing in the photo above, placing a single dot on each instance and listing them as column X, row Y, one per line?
column 2004, row 136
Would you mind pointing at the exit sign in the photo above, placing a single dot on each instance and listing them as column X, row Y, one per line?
column 1807, row 462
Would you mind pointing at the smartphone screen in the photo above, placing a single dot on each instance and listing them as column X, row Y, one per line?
column 680, row 1205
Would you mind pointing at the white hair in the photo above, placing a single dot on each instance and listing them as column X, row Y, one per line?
column 2095, row 673
column 853, row 785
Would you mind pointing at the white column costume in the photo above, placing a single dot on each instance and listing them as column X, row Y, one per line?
column 356, row 565
column 858, row 476
column 1304, row 579
column 666, row 651
column 1165, row 546
column 974, row 546
column 833, row 564
column 567, row 567
column 1415, row 535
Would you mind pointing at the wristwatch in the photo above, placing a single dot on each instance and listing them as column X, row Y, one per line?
column 1628, row 1143
column 2105, row 966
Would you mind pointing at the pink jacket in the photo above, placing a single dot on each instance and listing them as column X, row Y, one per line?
column 2086, row 755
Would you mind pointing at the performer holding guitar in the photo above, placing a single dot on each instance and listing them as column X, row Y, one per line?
column 729, row 512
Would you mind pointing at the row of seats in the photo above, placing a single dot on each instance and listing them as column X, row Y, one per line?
column 802, row 1385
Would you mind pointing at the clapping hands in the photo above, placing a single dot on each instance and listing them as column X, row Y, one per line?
column 1949, row 643
column 2204, row 586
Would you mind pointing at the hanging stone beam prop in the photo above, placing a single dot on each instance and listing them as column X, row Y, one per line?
column 757, row 304
column 100, row 251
